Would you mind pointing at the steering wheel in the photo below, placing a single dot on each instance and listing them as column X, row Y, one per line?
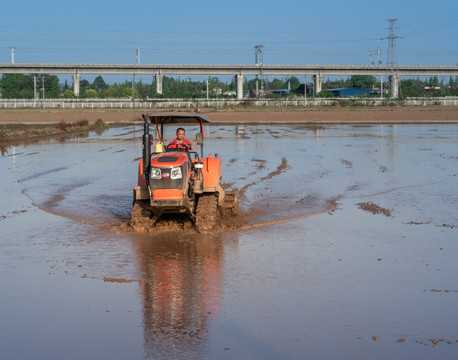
column 175, row 146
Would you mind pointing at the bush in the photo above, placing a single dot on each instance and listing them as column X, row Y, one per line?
column 90, row 93
column 69, row 94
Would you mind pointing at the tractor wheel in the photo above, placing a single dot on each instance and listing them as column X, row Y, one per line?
column 206, row 212
column 141, row 216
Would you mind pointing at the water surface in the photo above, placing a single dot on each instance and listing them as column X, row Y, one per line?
column 301, row 280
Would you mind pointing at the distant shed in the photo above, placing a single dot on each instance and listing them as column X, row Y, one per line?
column 348, row 92
column 281, row 92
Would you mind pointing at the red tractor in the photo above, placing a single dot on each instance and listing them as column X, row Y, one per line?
column 174, row 179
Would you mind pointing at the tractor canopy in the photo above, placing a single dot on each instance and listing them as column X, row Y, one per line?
column 161, row 118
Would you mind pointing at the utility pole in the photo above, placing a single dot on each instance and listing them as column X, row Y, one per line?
column 35, row 87
column 133, row 78
column 133, row 88
column 12, row 54
column 370, row 54
column 259, row 62
column 43, row 87
column 207, row 88
column 305, row 90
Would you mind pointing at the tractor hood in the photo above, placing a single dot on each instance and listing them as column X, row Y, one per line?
column 169, row 159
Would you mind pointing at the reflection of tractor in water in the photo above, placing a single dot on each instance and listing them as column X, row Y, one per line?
column 174, row 179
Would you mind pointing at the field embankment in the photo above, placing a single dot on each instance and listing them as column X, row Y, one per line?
column 399, row 114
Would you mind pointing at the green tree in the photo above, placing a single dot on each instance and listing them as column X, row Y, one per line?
column 362, row 81
column 412, row 88
column 69, row 94
column 99, row 84
column 434, row 81
column 276, row 84
column 21, row 86
column 84, row 85
column 127, row 92
column 52, row 87
column 144, row 90
column 293, row 82
column 90, row 93
column 16, row 86
column 336, row 84
column 113, row 92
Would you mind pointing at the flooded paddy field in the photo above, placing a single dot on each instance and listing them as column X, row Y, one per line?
column 346, row 248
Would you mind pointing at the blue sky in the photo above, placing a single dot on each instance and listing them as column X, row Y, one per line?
column 225, row 32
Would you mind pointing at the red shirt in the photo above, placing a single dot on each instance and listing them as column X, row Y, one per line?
column 187, row 142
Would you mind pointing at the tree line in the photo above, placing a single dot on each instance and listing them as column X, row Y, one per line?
column 24, row 86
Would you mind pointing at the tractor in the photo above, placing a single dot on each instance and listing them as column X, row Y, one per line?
column 173, row 179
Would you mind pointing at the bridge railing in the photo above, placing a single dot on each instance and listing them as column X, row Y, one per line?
column 215, row 103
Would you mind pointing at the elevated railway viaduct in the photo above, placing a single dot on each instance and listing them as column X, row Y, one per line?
column 239, row 71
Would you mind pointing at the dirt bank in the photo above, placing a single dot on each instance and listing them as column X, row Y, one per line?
column 16, row 132
column 388, row 115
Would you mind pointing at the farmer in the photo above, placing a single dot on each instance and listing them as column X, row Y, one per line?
column 180, row 140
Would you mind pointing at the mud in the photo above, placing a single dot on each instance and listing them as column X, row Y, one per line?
column 225, row 222
column 15, row 133
column 374, row 208
column 304, row 116
column 301, row 267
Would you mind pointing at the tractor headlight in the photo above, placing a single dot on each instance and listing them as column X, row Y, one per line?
column 176, row 173
column 156, row 173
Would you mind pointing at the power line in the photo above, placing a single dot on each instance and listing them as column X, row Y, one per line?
column 429, row 20
column 150, row 32
column 434, row 27
column 72, row 42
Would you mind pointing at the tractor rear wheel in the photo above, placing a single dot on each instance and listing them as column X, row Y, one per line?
column 206, row 212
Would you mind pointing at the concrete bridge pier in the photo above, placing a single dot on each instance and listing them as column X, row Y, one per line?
column 394, row 82
column 239, row 88
column 159, row 79
column 76, row 84
column 317, row 83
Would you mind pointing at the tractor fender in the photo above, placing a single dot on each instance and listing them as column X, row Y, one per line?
column 211, row 171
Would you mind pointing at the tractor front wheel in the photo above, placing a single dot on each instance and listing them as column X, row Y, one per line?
column 141, row 216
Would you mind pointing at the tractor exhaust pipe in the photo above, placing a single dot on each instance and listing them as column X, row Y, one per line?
column 146, row 149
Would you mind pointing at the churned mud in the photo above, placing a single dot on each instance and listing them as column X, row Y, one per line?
column 226, row 221
column 177, row 223
column 13, row 213
column 260, row 164
column 374, row 208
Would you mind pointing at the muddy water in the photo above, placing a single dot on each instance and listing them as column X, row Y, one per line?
column 346, row 248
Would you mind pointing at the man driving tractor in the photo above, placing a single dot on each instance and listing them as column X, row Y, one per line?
column 180, row 140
